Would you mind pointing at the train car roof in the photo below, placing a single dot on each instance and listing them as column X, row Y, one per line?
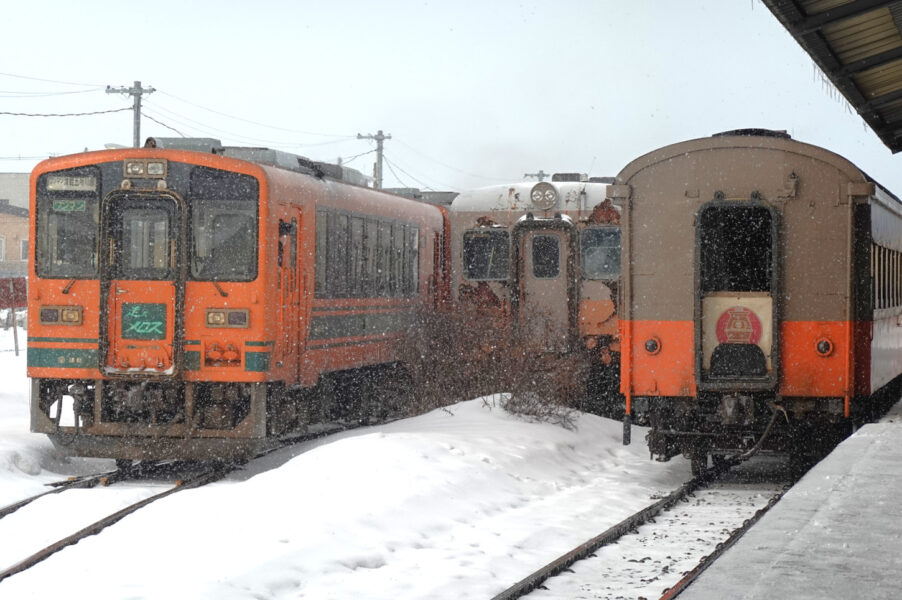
column 518, row 196
column 263, row 156
column 752, row 138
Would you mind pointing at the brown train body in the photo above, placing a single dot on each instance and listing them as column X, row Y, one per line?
column 761, row 276
column 181, row 303
column 545, row 257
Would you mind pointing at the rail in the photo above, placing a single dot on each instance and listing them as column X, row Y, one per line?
column 213, row 474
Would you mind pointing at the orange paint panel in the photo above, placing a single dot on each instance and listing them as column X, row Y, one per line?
column 668, row 372
column 596, row 317
column 804, row 371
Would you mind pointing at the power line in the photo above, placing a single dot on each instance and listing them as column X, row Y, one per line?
column 81, row 114
column 409, row 147
column 94, row 85
column 215, row 131
column 339, row 135
column 422, row 183
column 395, row 174
column 164, row 124
column 14, row 94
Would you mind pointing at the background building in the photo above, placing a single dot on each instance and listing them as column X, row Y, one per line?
column 14, row 242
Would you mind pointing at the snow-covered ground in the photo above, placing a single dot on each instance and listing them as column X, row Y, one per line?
column 458, row 503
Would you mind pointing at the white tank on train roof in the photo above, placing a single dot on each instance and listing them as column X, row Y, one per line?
column 565, row 192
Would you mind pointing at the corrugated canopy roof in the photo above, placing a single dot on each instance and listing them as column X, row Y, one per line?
column 858, row 45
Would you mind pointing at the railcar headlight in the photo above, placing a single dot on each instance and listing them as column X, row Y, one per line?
column 134, row 168
column 71, row 315
column 216, row 317
column 145, row 168
column 653, row 345
column 221, row 317
column 824, row 347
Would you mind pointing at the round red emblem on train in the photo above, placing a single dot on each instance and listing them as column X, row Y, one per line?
column 738, row 325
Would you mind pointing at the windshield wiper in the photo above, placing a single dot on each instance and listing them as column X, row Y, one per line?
column 221, row 291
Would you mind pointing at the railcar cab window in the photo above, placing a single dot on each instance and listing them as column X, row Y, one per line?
column 735, row 250
column 223, row 211
column 486, row 254
column 143, row 226
column 67, row 221
column 600, row 250
column 546, row 256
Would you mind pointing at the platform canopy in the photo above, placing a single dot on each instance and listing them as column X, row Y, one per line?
column 858, row 45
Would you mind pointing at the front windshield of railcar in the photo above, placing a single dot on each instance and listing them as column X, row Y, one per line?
column 486, row 254
column 223, row 207
column 68, row 209
column 600, row 250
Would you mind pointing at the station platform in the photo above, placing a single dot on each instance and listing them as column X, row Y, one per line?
column 836, row 534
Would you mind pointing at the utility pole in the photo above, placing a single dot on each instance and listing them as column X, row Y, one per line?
column 541, row 175
column 379, row 137
column 137, row 91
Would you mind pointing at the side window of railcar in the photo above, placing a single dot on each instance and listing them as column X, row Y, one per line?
column 383, row 260
column 397, row 258
column 486, row 254
column 68, row 211
column 337, row 256
column 223, row 208
column 322, row 232
column 357, row 260
column 412, row 264
column 361, row 257
column 371, row 251
column 600, row 252
column 886, row 277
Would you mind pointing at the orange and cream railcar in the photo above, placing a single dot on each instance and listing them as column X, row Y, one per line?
column 547, row 256
column 762, row 284
column 183, row 295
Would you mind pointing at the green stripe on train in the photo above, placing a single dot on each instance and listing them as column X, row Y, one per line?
column 63, row 358
column 64, row 340
column 342, row 326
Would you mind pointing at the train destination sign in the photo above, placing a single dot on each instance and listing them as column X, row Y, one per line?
column 68, row 183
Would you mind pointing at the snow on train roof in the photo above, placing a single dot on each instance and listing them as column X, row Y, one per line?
column 518, row 196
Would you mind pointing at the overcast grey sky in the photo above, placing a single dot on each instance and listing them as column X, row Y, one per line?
column 473, row 92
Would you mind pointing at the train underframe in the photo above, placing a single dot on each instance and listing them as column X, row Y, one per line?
column 728, row 424
column 146, row 419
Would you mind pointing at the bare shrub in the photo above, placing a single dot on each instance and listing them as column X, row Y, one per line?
column 463, row 354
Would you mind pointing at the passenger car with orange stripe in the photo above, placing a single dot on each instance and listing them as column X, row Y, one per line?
column 184, row 297
column 762, row 292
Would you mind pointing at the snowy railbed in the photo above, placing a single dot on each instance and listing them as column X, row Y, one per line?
column 460, row 502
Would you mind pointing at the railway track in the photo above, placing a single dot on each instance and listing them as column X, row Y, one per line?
column 663, row 547
column 124, row 473
column 145, row 472
column 208, row 475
